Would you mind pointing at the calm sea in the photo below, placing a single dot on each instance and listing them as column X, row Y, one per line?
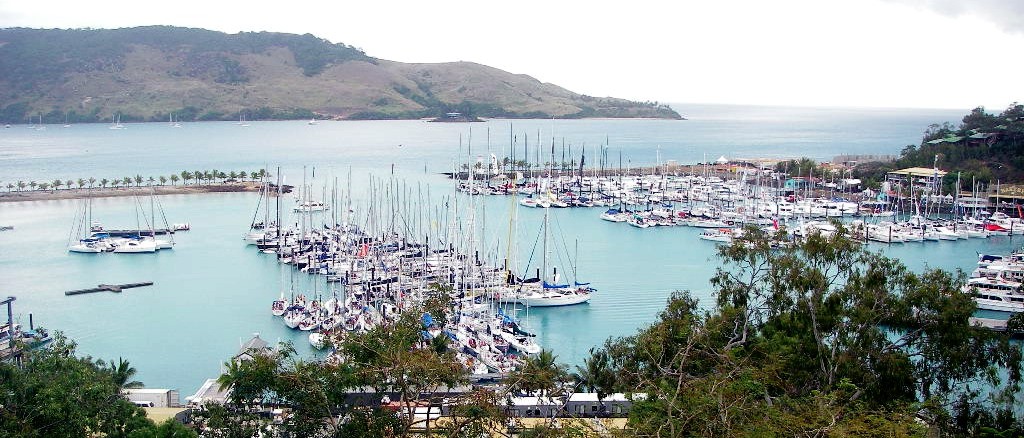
column 212, row 291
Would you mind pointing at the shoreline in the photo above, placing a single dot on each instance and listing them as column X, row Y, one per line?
column 109, row 192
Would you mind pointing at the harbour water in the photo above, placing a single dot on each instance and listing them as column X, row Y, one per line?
column 211, row 291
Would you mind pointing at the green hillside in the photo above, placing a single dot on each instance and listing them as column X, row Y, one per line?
column 148, row 73
column 985, row 148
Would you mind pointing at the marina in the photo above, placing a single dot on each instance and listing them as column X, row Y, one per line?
column 213, row 289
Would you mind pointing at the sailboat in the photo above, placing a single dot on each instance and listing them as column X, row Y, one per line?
column 171, row 121
column 241, row 120
column 117, row 122
column 312, row 121
column 86, row 240
column 67, row 122
column 538, row 291
column 41, row 126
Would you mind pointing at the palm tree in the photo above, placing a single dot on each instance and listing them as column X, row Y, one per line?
column 163, row 180
column 138, row 180
column 33, row 184
column 152, row 180
column 103, row 182
column 596, row 375
column 233, row 174
column 207, row 175
column 127, row 181
column 68, row 183
column 81, row 182
column 10, row 187
column 56, row 184
column 122, row 373
column 185, row 176
column 174, row 179
column 242, row 175
column 92, row 181
column 44, row 186
column 197, row 175
column 21, row 185
column 115, row 182
column 253, row 175
column 221, row 175
column 541, row 375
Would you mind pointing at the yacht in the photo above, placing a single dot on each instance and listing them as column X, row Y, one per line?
column 996, row 294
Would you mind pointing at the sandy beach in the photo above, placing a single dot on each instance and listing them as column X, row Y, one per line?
column 101, row 192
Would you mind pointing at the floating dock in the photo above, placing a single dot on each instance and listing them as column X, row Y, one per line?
column 998, row 325
column 108, row 288
column 133, row 233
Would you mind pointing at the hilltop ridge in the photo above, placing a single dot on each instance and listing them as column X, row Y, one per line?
column 151, row 73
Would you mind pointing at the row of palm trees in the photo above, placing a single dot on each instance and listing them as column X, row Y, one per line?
column 197, row 177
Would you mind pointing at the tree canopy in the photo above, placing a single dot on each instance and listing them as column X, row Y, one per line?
column 53, row 393
column 822, row 338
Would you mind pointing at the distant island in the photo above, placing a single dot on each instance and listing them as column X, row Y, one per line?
column 163, row 73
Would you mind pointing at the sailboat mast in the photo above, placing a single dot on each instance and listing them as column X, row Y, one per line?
column 544, row 263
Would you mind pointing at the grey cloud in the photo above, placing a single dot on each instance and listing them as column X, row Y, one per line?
column 1007, row 14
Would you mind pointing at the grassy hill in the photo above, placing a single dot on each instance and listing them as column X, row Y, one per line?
column 147, row 73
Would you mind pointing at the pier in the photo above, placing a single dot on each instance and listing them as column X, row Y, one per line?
column 998, row 325
column 108, row 288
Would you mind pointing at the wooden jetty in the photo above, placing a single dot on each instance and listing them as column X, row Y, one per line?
column 108, row 288
column 998, row 325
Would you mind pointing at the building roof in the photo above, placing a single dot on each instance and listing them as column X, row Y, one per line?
column 209, row 392
column 919, row 172
column 252, row 346
column 946, row 140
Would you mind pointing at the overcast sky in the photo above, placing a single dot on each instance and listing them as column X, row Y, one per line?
column 867, row 53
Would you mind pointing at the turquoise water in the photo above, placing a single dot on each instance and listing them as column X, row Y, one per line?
column 212, row 291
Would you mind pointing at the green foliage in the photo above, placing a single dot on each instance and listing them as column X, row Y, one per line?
column 53, row 393
column 824, row 337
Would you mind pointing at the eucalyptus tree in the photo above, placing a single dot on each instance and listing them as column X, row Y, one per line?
column 821, row 336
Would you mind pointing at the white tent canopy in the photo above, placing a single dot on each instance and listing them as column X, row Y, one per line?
column 722, row 160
